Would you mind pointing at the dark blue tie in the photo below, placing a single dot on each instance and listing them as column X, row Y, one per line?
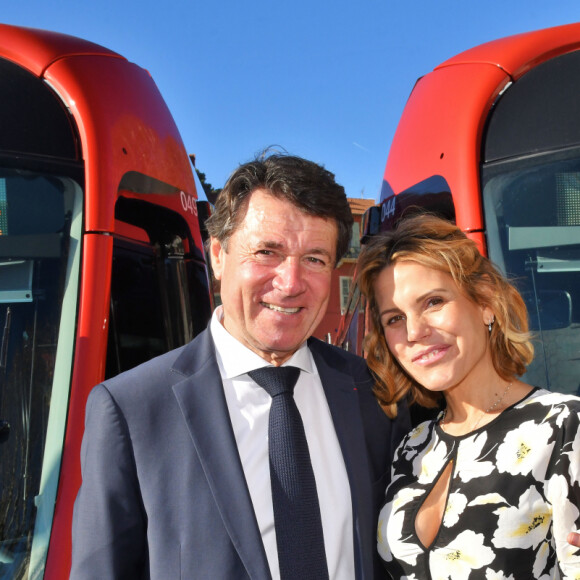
column 297, row 520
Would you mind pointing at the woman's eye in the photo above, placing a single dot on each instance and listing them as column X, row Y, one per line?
column 434, row 301
column 393, row 320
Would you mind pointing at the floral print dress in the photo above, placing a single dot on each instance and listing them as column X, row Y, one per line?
column 514, row 495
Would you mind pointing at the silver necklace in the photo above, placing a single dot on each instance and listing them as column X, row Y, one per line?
column 488, row 410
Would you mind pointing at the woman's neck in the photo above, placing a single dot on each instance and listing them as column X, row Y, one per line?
column 467, row 411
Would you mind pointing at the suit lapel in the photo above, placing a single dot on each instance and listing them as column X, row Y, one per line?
column 202, row 401
column 340, row 390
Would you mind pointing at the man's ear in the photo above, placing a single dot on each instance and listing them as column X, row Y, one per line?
column 216, row 253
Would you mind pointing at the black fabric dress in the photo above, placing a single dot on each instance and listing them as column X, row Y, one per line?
column 514, row 495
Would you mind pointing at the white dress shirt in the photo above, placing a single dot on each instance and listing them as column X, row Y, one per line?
column 249, row 407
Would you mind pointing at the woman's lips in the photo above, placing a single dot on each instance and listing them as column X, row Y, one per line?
column 431, row 355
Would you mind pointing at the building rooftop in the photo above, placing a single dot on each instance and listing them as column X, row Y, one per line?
column 359, row 206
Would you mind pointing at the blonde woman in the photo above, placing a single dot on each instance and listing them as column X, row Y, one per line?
column 490, row 488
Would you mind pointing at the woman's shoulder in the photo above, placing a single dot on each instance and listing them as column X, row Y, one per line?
column 420, row 434
column 547, row 398
column 544, row 405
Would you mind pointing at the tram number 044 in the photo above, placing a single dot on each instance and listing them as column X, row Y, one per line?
column 388, row 209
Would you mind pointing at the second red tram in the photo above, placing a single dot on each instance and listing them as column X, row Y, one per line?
column 491, row 139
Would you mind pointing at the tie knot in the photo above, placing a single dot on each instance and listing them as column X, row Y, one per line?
column 276, row 380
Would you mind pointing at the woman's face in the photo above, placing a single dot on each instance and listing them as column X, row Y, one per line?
column 438, row 336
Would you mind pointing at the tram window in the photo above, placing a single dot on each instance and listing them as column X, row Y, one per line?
column 533, row 234
column 136, row 330
column 40, row 222
column 159, row 290
column 200, row 305
column 35, row 204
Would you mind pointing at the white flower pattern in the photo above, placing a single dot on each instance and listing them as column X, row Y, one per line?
column 541, row 559
column 470, row 464
column 427, row 465
column 499, row 575
column 524, row 526
column 463, row 554
column 393, row 514
column 515, row 485
column 455, row 507
column 524, row 450
column 488, row 498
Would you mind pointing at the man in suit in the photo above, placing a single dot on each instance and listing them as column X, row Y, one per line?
column 175, row 460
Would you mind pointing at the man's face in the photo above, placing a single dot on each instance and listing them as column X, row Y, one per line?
column 275, row 276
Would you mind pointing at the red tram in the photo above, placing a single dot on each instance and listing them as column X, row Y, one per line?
column 491, row 139
column 101, row 266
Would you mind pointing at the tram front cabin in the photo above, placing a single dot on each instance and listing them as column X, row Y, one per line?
column 101, row 266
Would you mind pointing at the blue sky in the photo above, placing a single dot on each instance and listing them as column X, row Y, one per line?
column 324, row 80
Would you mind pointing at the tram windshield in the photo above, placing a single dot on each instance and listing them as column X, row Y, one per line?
column 532, row 219
column 40, row 229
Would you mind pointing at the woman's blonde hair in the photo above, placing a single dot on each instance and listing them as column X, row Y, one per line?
column 440, row 245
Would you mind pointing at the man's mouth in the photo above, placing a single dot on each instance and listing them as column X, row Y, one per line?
column 281, row 308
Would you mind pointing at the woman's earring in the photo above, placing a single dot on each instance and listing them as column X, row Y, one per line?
column 491, row 323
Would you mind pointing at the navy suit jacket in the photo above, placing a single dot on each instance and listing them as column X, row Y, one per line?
column 164, row 494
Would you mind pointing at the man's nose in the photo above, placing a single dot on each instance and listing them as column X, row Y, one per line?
column 290, row 277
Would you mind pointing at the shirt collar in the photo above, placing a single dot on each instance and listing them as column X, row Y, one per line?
column 235, row 359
